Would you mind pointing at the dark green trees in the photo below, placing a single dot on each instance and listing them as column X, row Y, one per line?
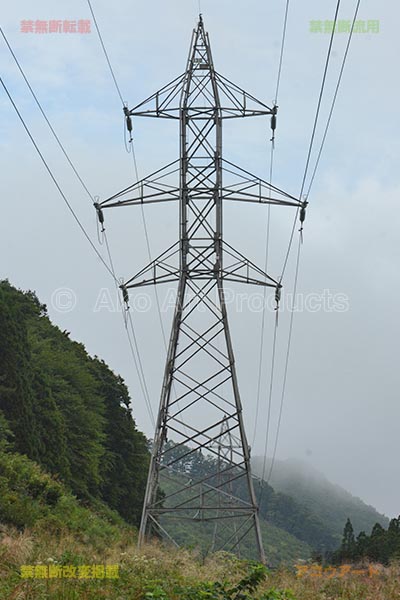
column 381, row 546
column 348, row 547
column 66, row 410
column 124, row 465
column 16, row 396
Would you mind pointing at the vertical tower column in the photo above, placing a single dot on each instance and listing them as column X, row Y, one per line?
column 190, row 486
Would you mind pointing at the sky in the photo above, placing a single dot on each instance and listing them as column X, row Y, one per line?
column 341, row 409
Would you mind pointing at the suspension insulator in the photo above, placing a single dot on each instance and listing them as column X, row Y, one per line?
column 128, row 119
column 100, row 214
column 303, row 212
column 273, row 118
column 125, row 294
column 278, row 294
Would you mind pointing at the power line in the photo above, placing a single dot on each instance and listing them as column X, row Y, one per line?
column 262, row 332
column 327, row 61
column 135, row 168
column 137, row 179
column 271, row 386
column 299, row 246
column 334, row 97
column 112, row 270
column 134, row 161
column 297, row 211
column 54, row 179
column 149, row 253
column 44, row 116
column 286, row 363
column 105, row 52
column 320, row 98
column 137, row 361
column 282, row 49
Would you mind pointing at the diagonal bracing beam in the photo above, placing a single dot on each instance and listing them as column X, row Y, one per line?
column 202, row 475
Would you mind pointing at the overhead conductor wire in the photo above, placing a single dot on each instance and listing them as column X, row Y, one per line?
column 312, row 134
column 110, row 269
column 137, row 179
column 289, row 249
column 300, row 239
column 294, row 227
column 262, row 333
column 128, row 318
column 54, row 179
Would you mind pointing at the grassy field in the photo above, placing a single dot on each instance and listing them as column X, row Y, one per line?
column 162, row 573
column 53, row 547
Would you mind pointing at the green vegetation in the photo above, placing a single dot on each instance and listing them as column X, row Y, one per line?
column 281, row 547
column 381, row 546
column 30, row 498
column 73, row 468
column 44, row 524
column 66, row 410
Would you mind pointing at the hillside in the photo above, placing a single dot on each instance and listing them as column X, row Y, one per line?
column 278, row 512
column 71, row 414
column 329, row 502
column 43, row 524
column 87, row 554
column 280, row 546
column 68, row 412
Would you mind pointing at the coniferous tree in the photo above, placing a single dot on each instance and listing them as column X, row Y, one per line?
column 348, row 547
column 65, row 410
column 361, row 545
column 125, row 462
column 16, row 395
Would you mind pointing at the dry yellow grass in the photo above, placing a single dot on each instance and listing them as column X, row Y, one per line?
column 167, row 567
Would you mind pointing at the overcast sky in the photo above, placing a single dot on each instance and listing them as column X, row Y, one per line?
column 342, row 409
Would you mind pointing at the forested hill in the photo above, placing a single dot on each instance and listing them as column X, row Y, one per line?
column 68, row 412
column 332, row 504
column 65, row 410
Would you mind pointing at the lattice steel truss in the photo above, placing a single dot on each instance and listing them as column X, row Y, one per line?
column 200, row 406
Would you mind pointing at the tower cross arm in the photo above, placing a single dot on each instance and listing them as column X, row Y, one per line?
column 164, row 103
column 159, row 270
column 237, row 268
column 157, row 187
column 236, row 102
column 241, row 185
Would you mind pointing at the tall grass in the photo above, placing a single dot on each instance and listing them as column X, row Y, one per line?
column 164, row 573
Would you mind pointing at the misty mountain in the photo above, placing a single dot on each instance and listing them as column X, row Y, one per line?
column 331, row 503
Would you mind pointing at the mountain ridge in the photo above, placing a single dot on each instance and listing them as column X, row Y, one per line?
column 329, row 501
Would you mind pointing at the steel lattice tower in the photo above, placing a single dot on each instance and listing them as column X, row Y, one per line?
column 200, row 403
column 226, row 445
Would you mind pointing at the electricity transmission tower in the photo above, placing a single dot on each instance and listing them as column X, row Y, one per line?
column 226, row 445
column 188, row 477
